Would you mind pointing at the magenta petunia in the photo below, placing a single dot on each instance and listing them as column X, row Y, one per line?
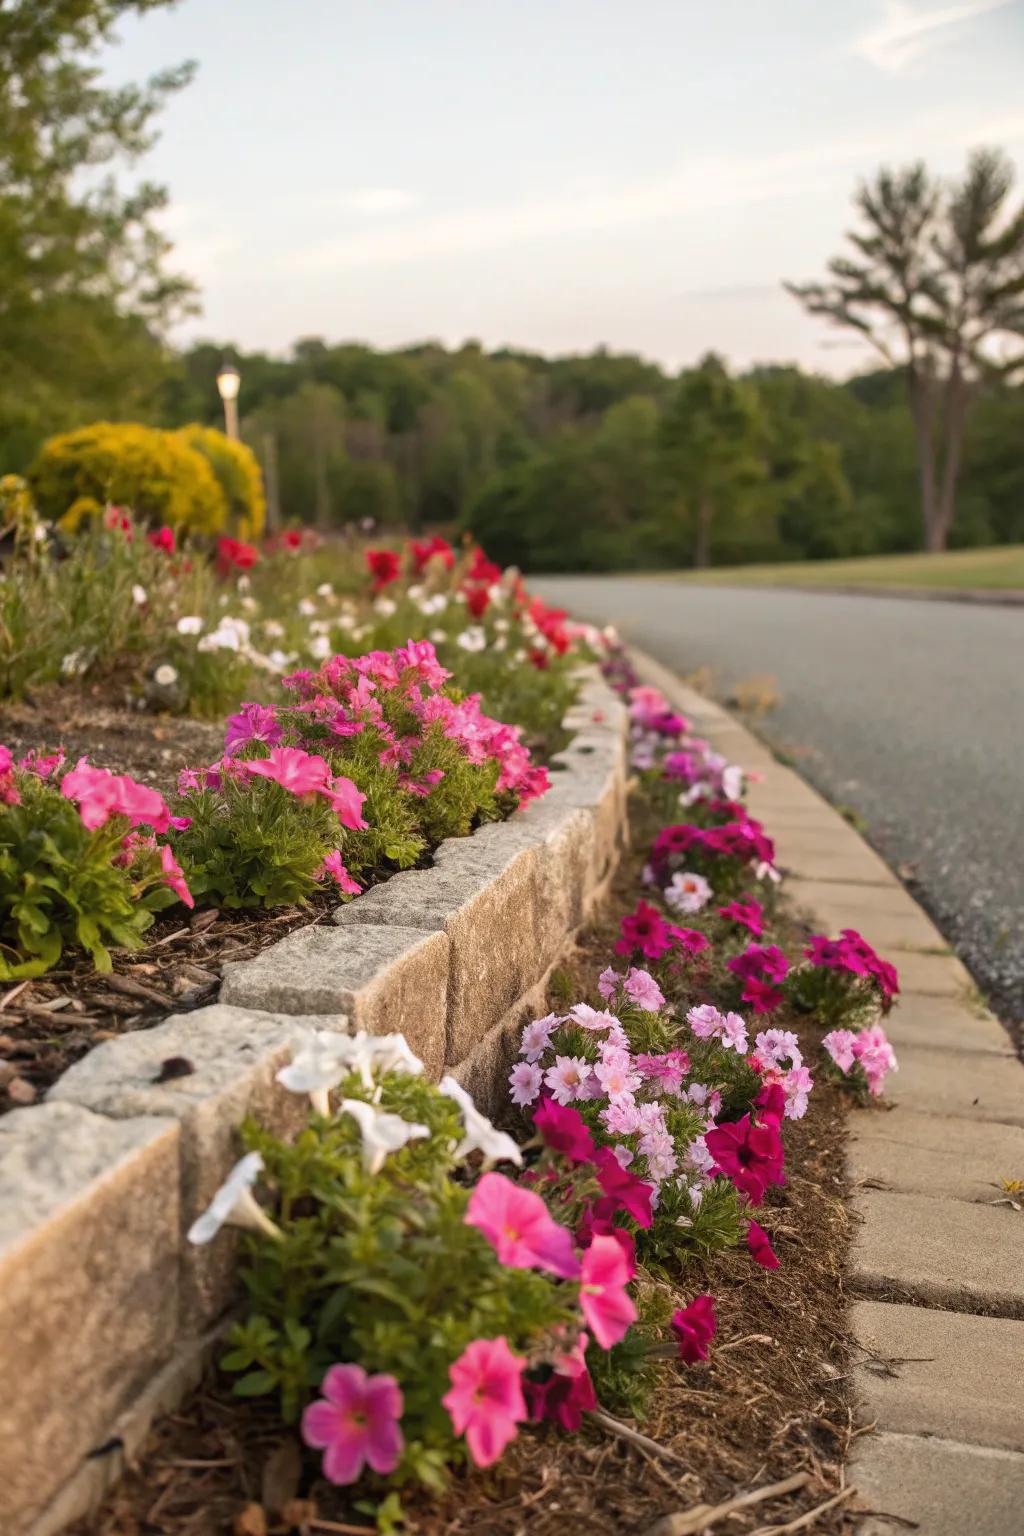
column 760, row 1246
column 694, row 1327
column 563, row 1129
column 750, row 1155
column 355, row 1423
column 485, row 1401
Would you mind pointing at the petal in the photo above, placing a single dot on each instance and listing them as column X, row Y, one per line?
column 321, row 1424
column 344, row 1385
column 343, row 1459
column 384, row 1446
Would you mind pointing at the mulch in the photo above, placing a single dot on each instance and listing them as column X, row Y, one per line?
column 773, row 1403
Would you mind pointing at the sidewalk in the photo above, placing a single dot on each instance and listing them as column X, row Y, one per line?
column 937, row 1266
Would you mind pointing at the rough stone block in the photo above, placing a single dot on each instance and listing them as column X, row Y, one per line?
column 386, row 979
column 943, row 1024
column 917, row 1353
column 936, row 1487
column 234, row 1055
column 886, row 916
column 947, row 1253
column 925, row 1154
column 88, row 1286
column 972, row 1083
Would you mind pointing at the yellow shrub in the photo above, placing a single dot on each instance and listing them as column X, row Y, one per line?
column 238, row 474
column 157, row 474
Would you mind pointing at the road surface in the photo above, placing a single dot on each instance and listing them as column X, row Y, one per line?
column 910, row 712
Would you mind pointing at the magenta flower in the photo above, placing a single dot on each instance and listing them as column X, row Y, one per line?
column 622, row 1190
column 485, row 1402
column 174, row 876
column 607, row 1306
column 347, row 802
column 254, row 722
column 299, row 772
column 645, row 930
column 690, row 939
column 750, row 1155
column 771, row 1104
column 695, row 1326
column 760, row 1246
column 355, row 1422
column 564, row 1130
column 334, row 865
column 520, row 1228
column 747, row 914
column 566, row 1394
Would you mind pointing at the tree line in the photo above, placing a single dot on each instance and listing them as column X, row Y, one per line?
column 598, row 461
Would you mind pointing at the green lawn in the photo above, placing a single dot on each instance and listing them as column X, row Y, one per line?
column 978, row 568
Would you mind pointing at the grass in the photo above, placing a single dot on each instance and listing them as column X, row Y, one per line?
column 989, row 569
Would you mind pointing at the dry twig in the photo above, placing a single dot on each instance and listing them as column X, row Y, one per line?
column 688, row 1522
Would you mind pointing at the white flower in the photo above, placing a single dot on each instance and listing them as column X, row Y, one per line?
column 73, row 664
column 439, row 636
column 317, row 1067
column 392, row 1054
column 382, row 1132
column 732, row 782
column 320, row 647
column 191, row 624
column 139, row 597
column 234, row 1204
column 230, row 635
column 481, row 1135
column 250, row 605
column 385, row 607
column 501, row 625
column 320, row 627
column 277, row 661
column 165, row 675
column 273, row 630
column 501, row 644
column 325, row 589
column 307, row 607
column 472, row 639
column 765, row 871
column 687, row 892
column 244, row 583
column 415, row 592
column 436, row 604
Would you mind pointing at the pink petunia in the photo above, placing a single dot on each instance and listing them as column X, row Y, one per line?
column 347, row 802
column 174, row 876
column 694, row 1327
column 520, row 1228
column 608, row 983
column 642, row 989
column 564, row 1130
column 536, row 1036
column 747, row 914
column 839, row 1044
column 525, row 1081
column 485, row 1401
column 760, row 1246
column 566, row 1078
column 254, row 722
column 334, row 865
column 356, row 1423
column 100, row 795
column 299, row 772
column 607, row 1306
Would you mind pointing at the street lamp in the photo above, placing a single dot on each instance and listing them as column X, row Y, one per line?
column 228, row 381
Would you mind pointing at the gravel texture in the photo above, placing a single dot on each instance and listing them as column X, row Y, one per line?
column 911, row 714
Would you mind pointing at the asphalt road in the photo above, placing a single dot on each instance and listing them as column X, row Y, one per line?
column 910, row 712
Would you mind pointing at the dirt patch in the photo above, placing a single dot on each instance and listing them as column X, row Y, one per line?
column 772, row 1402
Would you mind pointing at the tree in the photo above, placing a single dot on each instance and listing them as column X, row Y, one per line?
column 712, row 438
column 81, row 262
column 937, row 288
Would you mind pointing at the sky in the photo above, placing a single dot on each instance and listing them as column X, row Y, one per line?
column 553, row 174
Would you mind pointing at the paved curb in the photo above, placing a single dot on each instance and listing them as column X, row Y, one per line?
column 100, row 1183
column 942, row 1339
column 978, row 597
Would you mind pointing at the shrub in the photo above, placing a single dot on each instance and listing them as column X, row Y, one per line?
column 157, row 474
column 73, row 869
column 238, row 474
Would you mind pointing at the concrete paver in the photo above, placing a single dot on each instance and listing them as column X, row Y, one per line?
column 977, row 1083
column 925, row 1154
column 940, row 1487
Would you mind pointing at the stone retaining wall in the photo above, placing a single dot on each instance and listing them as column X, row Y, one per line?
column 107, row 1314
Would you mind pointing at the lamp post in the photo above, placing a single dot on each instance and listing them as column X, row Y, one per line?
column 228, row 381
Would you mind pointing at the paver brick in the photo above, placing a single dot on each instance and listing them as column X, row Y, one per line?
column 925, row 1154
column 941, row 1373
column 947, row 1253
column 947, row 1082
column 937, row 1487
column 943, row 1023
column 886, row 916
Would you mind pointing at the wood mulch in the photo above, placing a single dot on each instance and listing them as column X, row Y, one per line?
column 772, row 1406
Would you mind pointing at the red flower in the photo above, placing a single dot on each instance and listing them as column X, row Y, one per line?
column 760, row 1246
column 564, row 1130
column 750, row 1155
column 384, row 566
column 292, row 538
column 695, row 1326
column 425, row 550
column 478, row 600
column 163, row 539
column 482, row 569
column 232, row 552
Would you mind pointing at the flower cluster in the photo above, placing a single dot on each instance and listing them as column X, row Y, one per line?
column 843, row 980
column 863, row 1059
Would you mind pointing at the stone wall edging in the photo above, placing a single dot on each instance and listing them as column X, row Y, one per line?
column 99, row 1184
column 937, row 1260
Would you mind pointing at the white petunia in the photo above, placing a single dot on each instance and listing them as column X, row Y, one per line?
column 317, row 1067
column 481, row 1135
column 732, row 782
column 385, row 607
column 139, row 596
column 307, row 607
column 382, row 1132
column 235, row 1205
column 191, row 624
column 472, row 639
column 165, row 676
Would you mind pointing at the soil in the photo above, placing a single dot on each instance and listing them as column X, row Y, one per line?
column 772, row 1403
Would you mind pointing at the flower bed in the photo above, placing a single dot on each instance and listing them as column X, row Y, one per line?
column 412, row 1307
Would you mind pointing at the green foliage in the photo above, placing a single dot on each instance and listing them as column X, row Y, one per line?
column 60, row 884
column 380, row 1268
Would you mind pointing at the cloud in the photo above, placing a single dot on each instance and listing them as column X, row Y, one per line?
column 906, row 33
column 373, row 200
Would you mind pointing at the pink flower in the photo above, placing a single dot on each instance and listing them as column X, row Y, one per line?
column 334, row 865
column 563, row 1130
column 485, row 1402
column 646, row 930
column 100, row 795
column 520, row 1228
column 622, row 1190
column 839, row 1044
column 254, row 722
column 174, row 876
column 705, row 1021
column 607, row 1306
column 797, row 1085
column 642, row 989
column 734, row 1033
column 608, row 983
column 525, row 1081
column 876, row 1056
column 567, row 1077
column 347, row 802
column 695, row 1326
column 299, row 772
column 750, row 1155
column 593, row 1018
column 748, row 914
column 616, row 1075
column 536, row 1037
column 760, row 1246
column 355, row 1422
column 667, row 1070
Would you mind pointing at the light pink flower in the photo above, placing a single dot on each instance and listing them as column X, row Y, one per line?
column 485, row 1401
column 525, row 1080
column 705, row 1021
column 536, row 1037
column 616, row 1074
column 797, row 1085
column 567, row 1077
column 608, row 983
column 592, row 1018
column 839, row 1044
column 520, row 1228
column 355, row 1422
column 607, row 1306
column 776, row 1045
column 876, row 1056
column 734, row 1033
column 641, row 987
